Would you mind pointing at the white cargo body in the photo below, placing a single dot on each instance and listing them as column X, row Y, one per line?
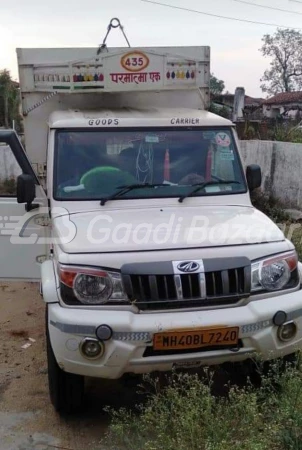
column 41, row 72
column 140, row 224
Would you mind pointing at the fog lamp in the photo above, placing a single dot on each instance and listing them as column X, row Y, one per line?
column 92, row 348
column 287, row 331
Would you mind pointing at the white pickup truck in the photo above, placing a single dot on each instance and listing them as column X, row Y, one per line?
column 133, row 209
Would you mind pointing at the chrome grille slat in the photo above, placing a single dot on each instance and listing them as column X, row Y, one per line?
column 153, row 287
column 246, row 279
column 190, row 286
column 214, row 283
column 141, row 287
column 225, row 282
column 178, row 286
column 202, row 285
column 236, row 281
column 166, row 287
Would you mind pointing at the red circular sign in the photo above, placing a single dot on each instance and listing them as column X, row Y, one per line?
column 135, row 61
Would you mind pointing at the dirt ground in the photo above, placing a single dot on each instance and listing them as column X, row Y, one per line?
column 27, row 418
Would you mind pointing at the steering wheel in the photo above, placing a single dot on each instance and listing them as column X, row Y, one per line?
column 105, row 179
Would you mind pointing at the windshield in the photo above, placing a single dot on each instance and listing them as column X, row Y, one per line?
column 93, row 164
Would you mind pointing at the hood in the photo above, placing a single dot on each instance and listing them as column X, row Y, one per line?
column 163, row 228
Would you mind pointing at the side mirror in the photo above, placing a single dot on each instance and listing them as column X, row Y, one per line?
column 26, row 190
column 253, row 176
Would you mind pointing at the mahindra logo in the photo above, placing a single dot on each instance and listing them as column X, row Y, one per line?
column 188, row 266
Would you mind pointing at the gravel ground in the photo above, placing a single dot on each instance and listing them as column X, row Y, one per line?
column 27, row 419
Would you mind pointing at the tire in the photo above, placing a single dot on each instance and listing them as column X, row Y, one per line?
column 66, row 390
column 292, row 360
column 279, row 365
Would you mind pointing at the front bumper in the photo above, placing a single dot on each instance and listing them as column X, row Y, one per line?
column 133, row 333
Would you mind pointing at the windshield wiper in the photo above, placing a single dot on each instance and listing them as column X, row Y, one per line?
column 200, row 186
column 129, row 187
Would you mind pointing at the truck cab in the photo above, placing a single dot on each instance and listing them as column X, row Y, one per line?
column 132, row 208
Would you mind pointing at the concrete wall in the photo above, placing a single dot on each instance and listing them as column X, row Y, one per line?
column 8, row 165
column 281, row 164
column 272, row 111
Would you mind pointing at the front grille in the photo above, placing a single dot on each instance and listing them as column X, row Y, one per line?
column 174, row 291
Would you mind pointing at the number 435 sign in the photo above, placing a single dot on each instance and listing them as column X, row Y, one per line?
column 135, row 61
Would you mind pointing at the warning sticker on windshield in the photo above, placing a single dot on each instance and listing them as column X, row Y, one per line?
column 209, row 135
column 152, row 139
column 223, row 139
column 226, row 154
column 211, row 189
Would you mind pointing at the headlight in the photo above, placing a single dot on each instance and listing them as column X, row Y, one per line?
column 90, row 286
column 276, row 273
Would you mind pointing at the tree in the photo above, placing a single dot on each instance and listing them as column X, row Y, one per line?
column 216, row 86
column 284, row 48
column 9, row 100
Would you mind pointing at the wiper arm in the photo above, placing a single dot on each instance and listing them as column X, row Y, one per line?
column 129, row 187
column 200, row 186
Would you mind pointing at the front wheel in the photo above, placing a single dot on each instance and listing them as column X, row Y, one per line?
column 66, row 390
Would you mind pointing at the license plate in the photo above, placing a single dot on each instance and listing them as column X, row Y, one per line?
column 190, row 339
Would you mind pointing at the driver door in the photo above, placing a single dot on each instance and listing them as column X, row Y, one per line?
column 23, row 235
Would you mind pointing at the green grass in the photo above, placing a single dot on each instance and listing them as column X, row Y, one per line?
column 8, row 187
column 297, row 240
column 186, row 415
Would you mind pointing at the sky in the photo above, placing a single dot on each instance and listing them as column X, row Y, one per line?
column 235, row 45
